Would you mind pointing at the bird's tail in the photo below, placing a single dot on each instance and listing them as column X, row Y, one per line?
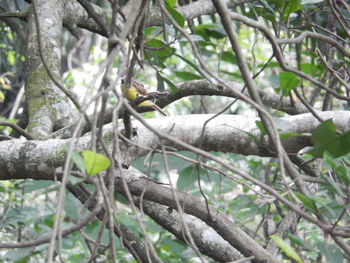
column 157, row 108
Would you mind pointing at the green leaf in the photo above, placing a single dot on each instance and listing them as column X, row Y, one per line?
column 330, row 160
column 229, row 57
column 291, row 7
column 170, row 3
column 78, row 161
column 95, row 162
column 261, row 127
column 11, row 57
column 187, row 75
column 202, row 31
column 344, row 174
column 331, row 252
column 311, row 69
column 325, row 138
column 180, row 20
column 286, row 248
column 71, row 207
column 152, row 31
column 21, row 215
column 288, row 81
column 160, row 48
column 307, row 202
column 190, row 63
column 31, row 186
column 19, row 255
column 255, row 138
column 332, row 184
column 324, row 132
column 288, row 6
column 76, row 180
column 290, row 135
column 300, row 242
column 186, row 178
column 216, row 32
column 266, row 12
column 208, row 31
column 172, row 86
column 175, row 246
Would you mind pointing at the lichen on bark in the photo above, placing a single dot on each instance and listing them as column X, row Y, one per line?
column 46, row 103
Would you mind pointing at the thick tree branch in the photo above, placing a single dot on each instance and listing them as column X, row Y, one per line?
column 204, row 87
column 46, row 102
column 191, row 205
column 192, row 10
column 206, row 239
column 201, row 88
column 226, row 133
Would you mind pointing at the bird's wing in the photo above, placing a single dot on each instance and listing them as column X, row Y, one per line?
column 140, row 87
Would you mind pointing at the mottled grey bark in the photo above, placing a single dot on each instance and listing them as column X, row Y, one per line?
column 207, row 240
column 226, row 133
column 45, row 101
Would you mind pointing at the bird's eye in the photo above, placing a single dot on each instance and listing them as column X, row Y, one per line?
column 122, row 81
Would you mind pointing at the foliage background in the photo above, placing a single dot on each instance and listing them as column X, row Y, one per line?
column 312, row 77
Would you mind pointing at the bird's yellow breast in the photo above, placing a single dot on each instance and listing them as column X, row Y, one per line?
column 132, row 95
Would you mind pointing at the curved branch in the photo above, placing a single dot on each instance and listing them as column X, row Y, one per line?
column 204, row 87
column 299, row 39
column 214, row 247
column 191, row 205
column 17, row 129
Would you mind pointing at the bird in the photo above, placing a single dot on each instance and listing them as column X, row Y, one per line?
column 135, row 90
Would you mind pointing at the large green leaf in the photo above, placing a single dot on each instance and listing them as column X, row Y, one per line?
column 344, row 174
column 78, row 161
column 307, row 202
column 71, row 207
column 208, row 31
column 171, row 3
column 286, row 248
column 311, row 69
column 175, row 14
column 95, row 162
column 185, row 75
column 300, row 242
column 288, row 6
column 261, row 127
column 161, row 49
column 172, row 86
column 291, row 7
column 288, row 82
column 19, row 255
column 186, row 178
column 31, row 186
column 229, row 57
column 325, row 138
column 331, row 252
